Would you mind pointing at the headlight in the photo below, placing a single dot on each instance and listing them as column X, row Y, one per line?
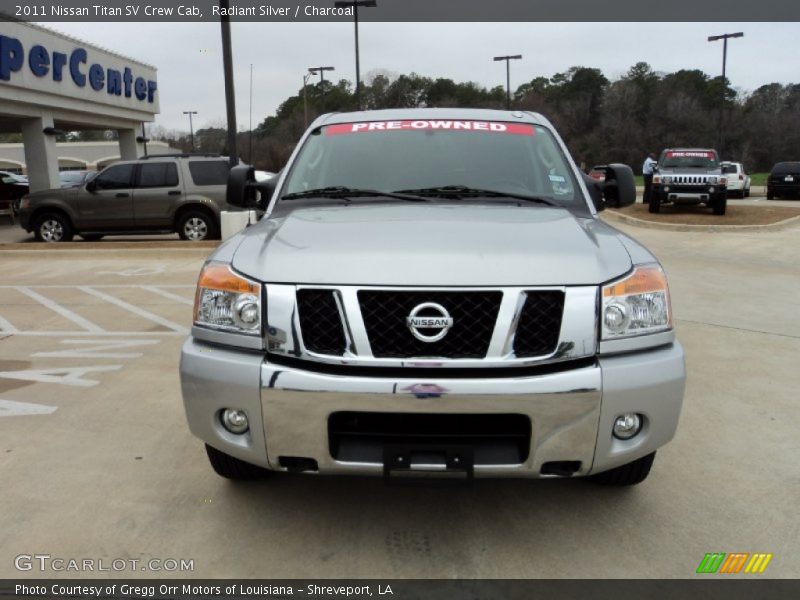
column 666, row 179
column 637, row 304
column 713, row 180
column 227, row 301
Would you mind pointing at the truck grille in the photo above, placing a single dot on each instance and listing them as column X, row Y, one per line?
column 320, row 322
column 474, row 316
column 539, row 323
column 690, row 179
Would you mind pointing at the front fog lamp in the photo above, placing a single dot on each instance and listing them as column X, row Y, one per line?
column 638, row 304
column 626, row 426
column 235, row 420
column 227, row 301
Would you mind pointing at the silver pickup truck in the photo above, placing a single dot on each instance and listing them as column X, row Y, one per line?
column 431, row 291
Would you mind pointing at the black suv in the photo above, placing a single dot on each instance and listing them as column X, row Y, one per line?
column 784, row 180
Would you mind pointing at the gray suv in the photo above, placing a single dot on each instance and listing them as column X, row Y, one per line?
column 155, row 194
column 432, row 290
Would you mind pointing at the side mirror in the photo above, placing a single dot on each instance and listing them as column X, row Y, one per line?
column 245, row 192
column 91, row 186
column 620, row 187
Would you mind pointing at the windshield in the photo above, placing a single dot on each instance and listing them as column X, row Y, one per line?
column 689, row 159
column 71, row 176
column 513, row 158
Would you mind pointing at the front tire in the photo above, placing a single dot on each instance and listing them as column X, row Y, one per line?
column 629, row 474
column 53, row 227
column 720, row 205
column 230, row 467
column 197, row 226
column 770, row 195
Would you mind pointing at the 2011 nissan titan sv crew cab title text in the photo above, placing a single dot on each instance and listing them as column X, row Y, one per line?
column 431, row 290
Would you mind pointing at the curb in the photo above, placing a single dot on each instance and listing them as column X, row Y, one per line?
column 620, row 218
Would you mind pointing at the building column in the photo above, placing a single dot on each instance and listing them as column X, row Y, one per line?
column 127, row 144
column 41, row 155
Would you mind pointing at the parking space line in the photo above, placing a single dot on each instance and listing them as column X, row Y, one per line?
column 91, row 333
column 64, row 312
column 134, row 309
column 7, row 327
column 166, row 294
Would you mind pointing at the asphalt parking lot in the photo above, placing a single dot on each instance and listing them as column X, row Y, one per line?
column 96, row 460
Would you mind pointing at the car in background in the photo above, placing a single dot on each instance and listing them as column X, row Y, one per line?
column 182, row 193
column 738, row 179
column 598, row 173
column 74, row 179
column 12, row 188
column 784, row 180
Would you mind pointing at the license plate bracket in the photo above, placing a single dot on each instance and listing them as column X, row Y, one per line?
column 413, row 457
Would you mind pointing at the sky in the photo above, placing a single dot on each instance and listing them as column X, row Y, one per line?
column 189, row 56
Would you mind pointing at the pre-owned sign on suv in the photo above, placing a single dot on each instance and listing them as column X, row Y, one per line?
column 432, row 290
column 182, row 194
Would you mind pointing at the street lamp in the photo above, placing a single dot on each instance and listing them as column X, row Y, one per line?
column 191, row 128
column 321, row 71
column 508, row 60
column 724, row 37
column 355, row 4
column 305, row 99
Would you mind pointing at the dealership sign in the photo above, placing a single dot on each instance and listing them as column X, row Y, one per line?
column 75, row 67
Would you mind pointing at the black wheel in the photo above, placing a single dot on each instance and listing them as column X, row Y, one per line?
column 232, row 468
column 53, row 227
column 630, row 474
column 92, row 237
column 720, row 204
column 655, row 204
column 746, row 193
column 196, row 226
column 770, row 195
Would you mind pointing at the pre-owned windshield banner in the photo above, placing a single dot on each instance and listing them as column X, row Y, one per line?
column 405, row 10
column 431, row 125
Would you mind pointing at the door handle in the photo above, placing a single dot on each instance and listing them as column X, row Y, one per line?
column 174, row 193
column 121, row 195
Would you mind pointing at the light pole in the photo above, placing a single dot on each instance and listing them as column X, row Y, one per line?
column 508, row 60
column 355, row 4
column 227, row 69
column 321, row 71
column 724, row 37
column 305, row 99
column 191, row 128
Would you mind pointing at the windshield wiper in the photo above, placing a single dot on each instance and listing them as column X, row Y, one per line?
column 462, row 191
column 347, row 193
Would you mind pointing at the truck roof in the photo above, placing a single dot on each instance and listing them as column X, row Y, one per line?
column 400, row 114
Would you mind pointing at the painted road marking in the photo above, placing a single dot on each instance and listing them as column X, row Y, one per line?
column 7, row 327
column 64, row 376
column 134, row 309
column 166, row 294
column 9, row 408
column 99, row 349
column 92, row 333
column 64, row 312
column 135, row 271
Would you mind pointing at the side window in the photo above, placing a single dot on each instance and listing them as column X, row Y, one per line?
column 209, row 172
column 115, row 178
column 164, row 174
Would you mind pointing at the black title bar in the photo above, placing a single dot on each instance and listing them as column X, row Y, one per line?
column 405, row 11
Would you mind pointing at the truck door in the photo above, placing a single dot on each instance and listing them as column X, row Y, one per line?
column 106, row 203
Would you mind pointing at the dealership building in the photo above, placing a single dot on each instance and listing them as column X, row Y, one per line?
column 52, row 83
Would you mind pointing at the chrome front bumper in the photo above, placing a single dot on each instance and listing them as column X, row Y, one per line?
column 572, row 411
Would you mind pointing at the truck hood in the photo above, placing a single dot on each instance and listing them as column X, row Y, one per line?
column 431, row 245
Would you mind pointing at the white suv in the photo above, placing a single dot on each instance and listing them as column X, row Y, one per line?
column 738, row 180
